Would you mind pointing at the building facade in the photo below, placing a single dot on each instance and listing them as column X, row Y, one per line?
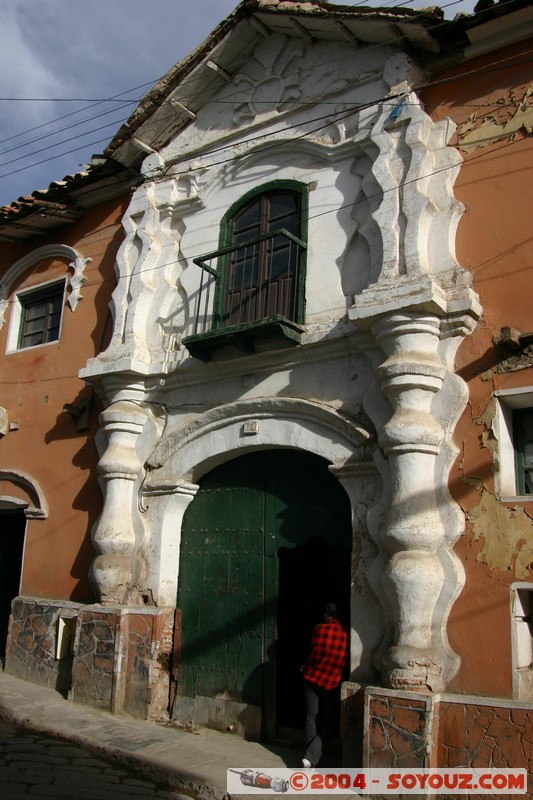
column 317, row 380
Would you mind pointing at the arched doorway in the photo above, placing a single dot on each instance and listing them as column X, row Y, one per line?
column 13, row 528
column 265, row 543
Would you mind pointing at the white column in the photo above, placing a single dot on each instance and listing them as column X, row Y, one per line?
column 118, row 569
column 412, row 531
column 168, row 502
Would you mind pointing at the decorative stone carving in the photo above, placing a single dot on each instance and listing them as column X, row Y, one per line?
column 413, row 531
column 380, row 180
column 419, row 298
column 36, row 506
column 77, row 264
column 148, row 299
column 167, row 502
column 275, row 82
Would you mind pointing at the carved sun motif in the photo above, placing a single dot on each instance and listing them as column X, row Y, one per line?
column 273, row 84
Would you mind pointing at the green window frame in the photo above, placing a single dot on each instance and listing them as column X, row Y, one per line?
column 523, row 447
column 40, row 317
column 257, row 274
column 270, row 225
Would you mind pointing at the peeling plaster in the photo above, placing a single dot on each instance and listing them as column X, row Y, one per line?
column 502, row 123
column 506, row 533
column 487, row 419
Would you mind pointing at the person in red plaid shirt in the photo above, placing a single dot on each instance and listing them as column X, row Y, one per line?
column 322, row 675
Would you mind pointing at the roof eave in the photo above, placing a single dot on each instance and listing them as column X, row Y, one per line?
column 175, row 100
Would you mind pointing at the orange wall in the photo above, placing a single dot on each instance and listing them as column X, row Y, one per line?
column 35, row 384
column 494, row 242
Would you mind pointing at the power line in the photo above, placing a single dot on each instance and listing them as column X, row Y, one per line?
column 60, row 155
column 65, row 141
column 52, row 158
column 73, row 113
column 96, row 102
column 499, row 65
column 331, row 25
column 367, row 198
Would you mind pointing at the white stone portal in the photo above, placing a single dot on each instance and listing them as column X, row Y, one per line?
column 386, row 306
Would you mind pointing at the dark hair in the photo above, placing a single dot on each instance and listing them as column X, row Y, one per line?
column 331, row 610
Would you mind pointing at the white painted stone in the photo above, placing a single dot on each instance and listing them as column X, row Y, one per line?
column 386, row 307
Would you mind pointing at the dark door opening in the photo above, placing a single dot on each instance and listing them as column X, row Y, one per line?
column 265, row 544
column 310, row 576
column 12, row 528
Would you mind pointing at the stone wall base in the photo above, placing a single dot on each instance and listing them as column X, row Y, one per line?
column 120, row 659
column 117, row 659
column 407, row 729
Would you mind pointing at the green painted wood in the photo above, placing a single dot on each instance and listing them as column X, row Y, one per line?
column 225, row 241
column 256, row 568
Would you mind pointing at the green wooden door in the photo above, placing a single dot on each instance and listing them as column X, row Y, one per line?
column 221, row 587
column 246, row 513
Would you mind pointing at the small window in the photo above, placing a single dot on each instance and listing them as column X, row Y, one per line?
column 514, row 453
column 36, row 316
column 523, row 444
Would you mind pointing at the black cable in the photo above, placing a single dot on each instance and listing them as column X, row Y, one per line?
column 367, row 198
column 28, row 155
column 60, row 130
column 73, row 113
column 426, row 85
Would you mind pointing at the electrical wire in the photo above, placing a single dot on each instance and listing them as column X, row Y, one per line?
column 72, row 139
column 60, row 155
column 79, row 111
column 61, row 130
column 187, row 261
column 332, row 26
column 429, row 84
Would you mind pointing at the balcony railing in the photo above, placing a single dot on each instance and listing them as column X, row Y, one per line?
column 253, row 280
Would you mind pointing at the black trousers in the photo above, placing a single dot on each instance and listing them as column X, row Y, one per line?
column 320, row 722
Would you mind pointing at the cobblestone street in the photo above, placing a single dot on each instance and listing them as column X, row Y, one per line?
column 33, row 766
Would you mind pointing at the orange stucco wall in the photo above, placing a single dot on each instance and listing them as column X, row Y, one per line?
column 495, row 243
column 35, row 384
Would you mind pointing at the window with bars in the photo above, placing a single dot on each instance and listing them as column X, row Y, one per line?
column 252, row 288
column 262, row 275
column 40, row 315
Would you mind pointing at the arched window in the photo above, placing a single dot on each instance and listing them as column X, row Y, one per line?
column 37, row 310
column 258, row 274
column 262, row 276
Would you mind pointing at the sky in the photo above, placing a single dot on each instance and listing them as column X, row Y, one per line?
column 71, row 71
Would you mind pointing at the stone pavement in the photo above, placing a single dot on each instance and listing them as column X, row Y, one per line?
column 35, row 766
column 194, row 763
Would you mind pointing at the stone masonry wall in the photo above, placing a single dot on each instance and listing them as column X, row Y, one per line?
column 120, row 662
column 32, row 643
column 396, row 729
column 117, row 659
column 147, row 665
column 479, row 735
column 94, row 661
column 404, row 729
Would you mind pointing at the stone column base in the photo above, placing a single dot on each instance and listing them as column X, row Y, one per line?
column 113, row 658
column 408, row 729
